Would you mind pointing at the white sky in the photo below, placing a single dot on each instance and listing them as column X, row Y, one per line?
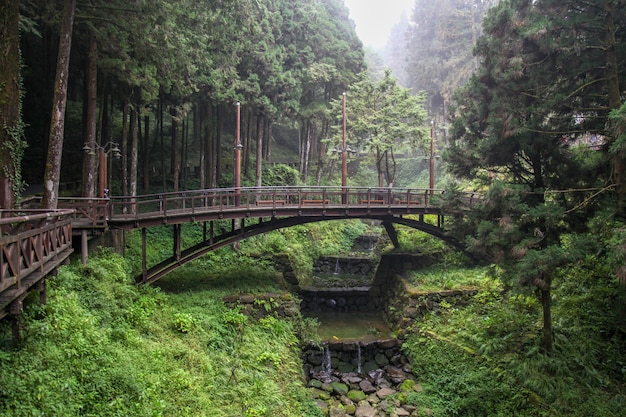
column 375, row 18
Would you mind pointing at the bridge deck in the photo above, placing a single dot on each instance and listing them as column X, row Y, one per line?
column 284, row 206
column 205, row 205
column 33, row 245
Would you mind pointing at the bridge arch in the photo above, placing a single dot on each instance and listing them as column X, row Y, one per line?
column 194, row 252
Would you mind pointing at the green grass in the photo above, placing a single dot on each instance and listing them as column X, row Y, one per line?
column 104, row 347
column 453, row 277
column 485, row 359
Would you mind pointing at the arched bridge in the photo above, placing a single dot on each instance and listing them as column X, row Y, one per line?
column 253, row 211
column 35, row 242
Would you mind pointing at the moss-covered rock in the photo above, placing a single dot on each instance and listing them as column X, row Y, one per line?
column 339, row 388
column 356, row 395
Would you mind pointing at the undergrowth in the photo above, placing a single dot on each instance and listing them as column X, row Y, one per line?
column 485, row 358
column 102, row 346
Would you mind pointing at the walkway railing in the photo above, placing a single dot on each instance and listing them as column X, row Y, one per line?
column 248, row 198
column 33, row 244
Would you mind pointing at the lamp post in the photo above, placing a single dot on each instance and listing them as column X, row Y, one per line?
column 238, row 147
column 432, row 156
column 344, row 157
column 103, row 152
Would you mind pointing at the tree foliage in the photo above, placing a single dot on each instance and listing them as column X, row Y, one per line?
column 382, row 117
column 544, row 85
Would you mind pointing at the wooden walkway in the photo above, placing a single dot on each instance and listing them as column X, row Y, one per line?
column 33, row 245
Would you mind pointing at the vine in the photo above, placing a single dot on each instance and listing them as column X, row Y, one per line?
column 16, row 145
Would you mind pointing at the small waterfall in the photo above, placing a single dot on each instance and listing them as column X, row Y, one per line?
column 359, row 370
column 326, row 364
column 337, row 268
column 371, row 245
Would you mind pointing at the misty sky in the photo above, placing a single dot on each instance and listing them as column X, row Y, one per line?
column 375, row 18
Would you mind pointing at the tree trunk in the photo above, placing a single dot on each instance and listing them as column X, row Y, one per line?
column 174, row 162
column 125, row 148
column 546, row 303
column 203, row 133
column 134, row 145
column 379, row 168
column 246, row 141
column 10, row 102
column 614, row 102
column 89, row 161
column 146, row 154
column 259, row 151
column 217, row 146
column 268, row 140
column 57, row 123
column 162, row 144
column 184, row 145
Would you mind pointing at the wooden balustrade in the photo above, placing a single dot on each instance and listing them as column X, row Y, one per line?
column 34, row 243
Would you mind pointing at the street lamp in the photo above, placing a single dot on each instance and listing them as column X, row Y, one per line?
column 238, row 148
column 103, row 151
column 344, row 156
column 432, row 156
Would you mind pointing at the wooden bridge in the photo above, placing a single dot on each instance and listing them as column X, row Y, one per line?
column 253, row 211
column 36, row 242
column 33, row 245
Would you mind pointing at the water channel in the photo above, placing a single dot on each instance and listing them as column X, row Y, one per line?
column 359, row 366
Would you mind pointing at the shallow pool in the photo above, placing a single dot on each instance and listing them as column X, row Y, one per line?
column 361, row 326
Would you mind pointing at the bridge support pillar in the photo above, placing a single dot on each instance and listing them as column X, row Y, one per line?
column 16, row 326
column 177, row 239
column 144, row 266
column 392, row 233
column 84, row 246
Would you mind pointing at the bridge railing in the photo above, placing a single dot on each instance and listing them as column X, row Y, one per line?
column 86, row 211
column 95, row 212
column 30, row 246
column 255, row 197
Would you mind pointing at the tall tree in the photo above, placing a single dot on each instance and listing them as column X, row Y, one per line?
column 11, row 126
column 542, row 85
column 57, row 124
column 381, row 118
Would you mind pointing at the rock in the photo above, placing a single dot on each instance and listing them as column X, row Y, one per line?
column 365, row 410
column 367, row 387
column 396, row 375
column 381, row 360
column 383, row 383
column 384, row 392
column 351, row 379
column 350, row 409
column 339, row 388
column 387, row 343
column 356, row 396
column 315, row 393
column 401, row 412
column 323, row 395
column 315, row 383
column 337, row 412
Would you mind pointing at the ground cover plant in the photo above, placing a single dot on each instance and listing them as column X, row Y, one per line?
column 486, row 358
column 102, row 346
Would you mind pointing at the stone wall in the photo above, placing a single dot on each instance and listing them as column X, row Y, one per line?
column 352, row 356
column 341, row 265
column 338, row 299
column 260, row 305
column 400, row 303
